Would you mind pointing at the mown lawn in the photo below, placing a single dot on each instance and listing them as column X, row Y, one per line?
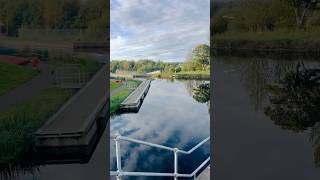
column 11, row 76
column 18, row 124
column 119, row 97
column 114, row 85
column 88, row 66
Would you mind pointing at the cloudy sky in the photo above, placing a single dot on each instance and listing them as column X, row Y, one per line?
column 158, row 29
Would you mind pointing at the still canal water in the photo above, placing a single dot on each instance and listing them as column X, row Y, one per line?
column 267, row 114
column 175, row 114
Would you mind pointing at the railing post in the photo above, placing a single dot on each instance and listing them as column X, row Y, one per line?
column 118, row 155
column 175, row 151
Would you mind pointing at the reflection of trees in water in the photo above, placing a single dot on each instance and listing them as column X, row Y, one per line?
column 256, row 73
column 295, row 103
column 202, row 93
column 199, row 90
column 315, row 139
column 14, row 172
column 289, row 91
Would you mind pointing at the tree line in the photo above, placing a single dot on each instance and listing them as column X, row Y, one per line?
column 265, row 15
column 53, row 14
column 197, row 60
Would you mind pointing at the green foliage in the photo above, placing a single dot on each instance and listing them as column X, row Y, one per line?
column 114, row 85
column 11, row 76
column 87, row 65
column 18, row 124
column 117, row 99
column 53, row 14
column 201, row 55
column 142, row 66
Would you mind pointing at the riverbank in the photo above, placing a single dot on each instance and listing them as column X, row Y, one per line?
column 120, row 91
column 19, row 121
column 189, row 75
column 18, row 124
column 302, row 41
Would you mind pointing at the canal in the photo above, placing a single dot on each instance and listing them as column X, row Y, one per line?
column 175, row 114
column 267, row 113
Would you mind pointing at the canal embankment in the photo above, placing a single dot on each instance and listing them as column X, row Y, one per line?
column 119, row 91
column 37, row 99
column 278, row 42
column 135, row 99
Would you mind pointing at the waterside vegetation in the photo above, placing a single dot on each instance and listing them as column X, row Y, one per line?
column 266, row 25
column 196, row 66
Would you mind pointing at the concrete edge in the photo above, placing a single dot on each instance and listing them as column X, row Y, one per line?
column 73, row 98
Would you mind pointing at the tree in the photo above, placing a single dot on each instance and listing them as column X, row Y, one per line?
column 201, row 55
column 301, row 8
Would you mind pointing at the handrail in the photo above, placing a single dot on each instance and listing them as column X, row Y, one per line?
column 117, row 138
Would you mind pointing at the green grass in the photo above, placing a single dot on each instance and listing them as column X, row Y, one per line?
column 308, row 40
column 194, row 72
column 87, row 65
column 117, row 99
column 185, row 75
column 11, row 76
column 18, row 124
column 114, row 85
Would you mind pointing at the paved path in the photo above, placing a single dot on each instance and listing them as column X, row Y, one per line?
column 28, row 90
column 75, row 114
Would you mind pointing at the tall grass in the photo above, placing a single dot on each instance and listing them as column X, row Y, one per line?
column 18, row 124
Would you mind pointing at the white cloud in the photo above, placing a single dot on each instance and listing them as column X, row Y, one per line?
column 162, row 30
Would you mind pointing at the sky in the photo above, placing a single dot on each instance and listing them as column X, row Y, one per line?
column 165, row 30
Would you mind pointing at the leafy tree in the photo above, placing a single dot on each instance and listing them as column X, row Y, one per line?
column 201, row 55
column 301, row 8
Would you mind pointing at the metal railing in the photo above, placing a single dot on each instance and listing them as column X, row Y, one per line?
column 119, row 173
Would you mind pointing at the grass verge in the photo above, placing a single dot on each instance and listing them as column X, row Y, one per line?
column 303, row 40
column 11, row 76
column 119, row 97
column 114, row 85
column 185, row 75
column 18, row 124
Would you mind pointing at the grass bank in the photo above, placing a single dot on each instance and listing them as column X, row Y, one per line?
column 114, row 85
column 281, row 40
column 11, row 76
column 18, row 124
column 193, row 75
column 184, row 75
column 119, row 97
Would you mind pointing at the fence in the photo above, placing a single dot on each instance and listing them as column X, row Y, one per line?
column 119, row 173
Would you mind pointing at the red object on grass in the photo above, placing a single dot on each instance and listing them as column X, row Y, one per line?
column 116, row 81
column 14, row 60
column 35, row 62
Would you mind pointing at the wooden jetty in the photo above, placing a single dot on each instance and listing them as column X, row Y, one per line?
column 78, row 121
column 135, row 99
